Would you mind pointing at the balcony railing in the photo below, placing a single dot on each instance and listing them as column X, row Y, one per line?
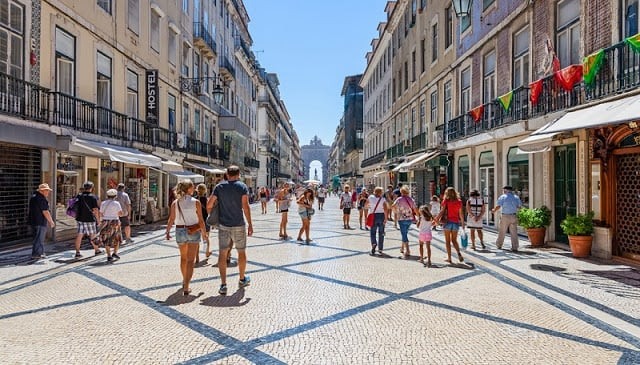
column 203, row 39
column 225, row 66
column 23, row 99
column 251, row 162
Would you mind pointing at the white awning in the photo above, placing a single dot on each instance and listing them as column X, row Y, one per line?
column 170, row 166
column 207, row 168
column 422, row 158
column 196, row 178
column 117, row 153
column 536, row 143
column 613, row 112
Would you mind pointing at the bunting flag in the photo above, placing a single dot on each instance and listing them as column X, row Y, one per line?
column 505, row 100
column 476, row 113
column 634, row 42
column 569, row 76
column 536, row 90
column 591, row 65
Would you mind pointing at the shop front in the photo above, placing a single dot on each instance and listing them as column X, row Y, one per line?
column 212, row 175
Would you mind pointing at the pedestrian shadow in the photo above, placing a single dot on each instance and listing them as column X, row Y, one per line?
column 230, row 264
column 237, row 299
column 381, row 255
column 179, row 298
column 462, row 265
column 202, row 263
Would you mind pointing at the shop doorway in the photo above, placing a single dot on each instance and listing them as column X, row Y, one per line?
column 487, row 187
column 627, row 208
column 564, row 178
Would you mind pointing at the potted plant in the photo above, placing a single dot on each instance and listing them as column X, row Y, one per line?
column 579, row 228
column 535, row 221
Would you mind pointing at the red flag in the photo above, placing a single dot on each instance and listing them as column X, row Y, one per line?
column 476, row 113
column 569, row 76
column 536, row 90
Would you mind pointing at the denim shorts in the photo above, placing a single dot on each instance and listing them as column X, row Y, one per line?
column 451, row 226
column 183, row 237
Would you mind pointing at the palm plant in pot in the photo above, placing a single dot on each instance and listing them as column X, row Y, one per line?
column 535, row 221
column 579, row 229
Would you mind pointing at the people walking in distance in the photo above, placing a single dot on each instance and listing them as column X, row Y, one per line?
column 379, row 207
column 305, row 209
column 39, row 218
column 452, row 217
column 405, row 213
column 125, row 218
column 390, row 199
column 186, row 213
column 283, row 202
column 509, row 203
column 363, row 207
column 233, row 197
column 425, row 225
column 88, row 217
column 345, row 205
column 110, row 231
column 435, row 208
column 475, row 212
column 322, row 193
column 264, row 198
column 202, row 198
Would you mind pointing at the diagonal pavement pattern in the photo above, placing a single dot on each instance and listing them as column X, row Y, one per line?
column 329, row 302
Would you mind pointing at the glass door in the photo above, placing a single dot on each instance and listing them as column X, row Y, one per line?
column 487, row 189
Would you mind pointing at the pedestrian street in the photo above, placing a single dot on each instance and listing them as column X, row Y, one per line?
column 328, row 302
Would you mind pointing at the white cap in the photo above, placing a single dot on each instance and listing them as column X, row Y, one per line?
column 112, row 192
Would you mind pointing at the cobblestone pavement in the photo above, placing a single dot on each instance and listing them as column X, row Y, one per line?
column 329, row 302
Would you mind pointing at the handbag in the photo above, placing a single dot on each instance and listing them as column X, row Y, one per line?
column 442, row 214
column 213, row 219
column 311, row 211
column 371, row 216
column 464, row 239
column 192, row 229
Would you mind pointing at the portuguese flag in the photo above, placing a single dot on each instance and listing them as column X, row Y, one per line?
column 476, row 113
column 591, row 65
column 634, row 42
column 505, row 100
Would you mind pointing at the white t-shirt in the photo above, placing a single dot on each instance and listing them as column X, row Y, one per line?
column 373, row 200
column 435, row 208
column 322, row 192
column 425, row 225
column 109, row 210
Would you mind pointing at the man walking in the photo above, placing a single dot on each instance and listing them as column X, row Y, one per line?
column 88, row 217
column 233, row 197
column 39, row 216
column 322, row 193
column 510, row 203
column 125, row 204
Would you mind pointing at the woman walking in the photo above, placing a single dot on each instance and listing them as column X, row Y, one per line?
column 425, row 224
column 475, row 212
column 305, row 209
column 186, row 212
column 282, row 202
column 263, row 199
column 345, row 205
column 406, row 212
column 110, row 233
column 451, row 215
column 363, row 207
column 202, row 198
column 378, row 204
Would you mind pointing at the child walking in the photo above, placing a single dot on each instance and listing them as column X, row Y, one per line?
column 435, row 208
column 425, row 223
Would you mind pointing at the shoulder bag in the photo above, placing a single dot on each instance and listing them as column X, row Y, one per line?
column 213, row 219
column 371, row 216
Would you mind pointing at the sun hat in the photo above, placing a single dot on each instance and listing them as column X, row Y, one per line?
column 44, row 186
column 112, row 192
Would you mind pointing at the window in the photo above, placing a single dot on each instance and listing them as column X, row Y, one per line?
column 406, row 75
column 132, row 94
column 185, row 118
column 413, row 66
column 171, row 103
column 521, row 58
column 423, row 55
column 65, row 62
column 207, row 130
column 172, row 47
column 487, row 3
column 568, row 32
column 414, row 10
column 196, row 123
column 447, row 101
column 11, row 38
column 434, row 107
column 434, row 42
column 423, row 121
column 465, row 90
column 448, row 27
column 630, row 18
column 185, row 6
column 133, row 20
column 103, row 77
column 205, row 74
column 105, row 5
column 463, row 175
column 423, row 4
column 196, row 66
column 186, row 51
column 465, row 21
column 489, row 80
column 154, row 34
column 518, row 174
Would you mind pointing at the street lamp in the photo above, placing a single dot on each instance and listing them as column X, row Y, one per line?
column 197, row 85
column 462, row 7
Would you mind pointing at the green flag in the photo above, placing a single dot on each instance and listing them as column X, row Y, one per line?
column 505, row 100
column 591, row 65
column 634, row 42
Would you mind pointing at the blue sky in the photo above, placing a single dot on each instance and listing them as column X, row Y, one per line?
column 312, row 46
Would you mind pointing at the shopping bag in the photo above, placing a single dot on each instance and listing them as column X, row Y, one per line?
column 370, row 218
column 464, row 239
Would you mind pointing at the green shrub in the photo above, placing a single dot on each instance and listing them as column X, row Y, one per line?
column 578, row 225
column 534, row 217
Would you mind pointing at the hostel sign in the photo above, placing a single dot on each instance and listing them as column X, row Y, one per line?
column 153, row 91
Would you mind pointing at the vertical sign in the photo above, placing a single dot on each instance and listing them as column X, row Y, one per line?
column 153, row 91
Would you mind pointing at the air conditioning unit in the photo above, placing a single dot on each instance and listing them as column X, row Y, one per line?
column 436, row 138
column 181, row 141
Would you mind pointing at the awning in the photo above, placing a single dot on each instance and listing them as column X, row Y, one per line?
column 115, row 153
column 169, row 166
column 536, row 143
column 422, row 158
column 196, row 178
column 207, row 168
column 613, row 112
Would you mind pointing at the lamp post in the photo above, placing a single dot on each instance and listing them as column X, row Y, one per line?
column 462, row 7
column 196, row 84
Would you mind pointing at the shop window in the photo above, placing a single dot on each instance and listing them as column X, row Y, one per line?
column 518, row 174
column 463, row 176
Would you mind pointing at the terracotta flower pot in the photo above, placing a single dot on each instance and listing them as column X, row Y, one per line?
column 536, row 236
column 580, row 245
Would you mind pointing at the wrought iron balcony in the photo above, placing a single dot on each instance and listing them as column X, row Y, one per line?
column 23, row 99
column 203, row 40
column 251, row 162
column 226, row 68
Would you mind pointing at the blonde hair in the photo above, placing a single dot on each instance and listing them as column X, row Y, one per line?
column 425, row 211
column 451, row 194
column 346, row 186
column 183, row 187
column 202, row 189
column 378, row 190
column 404, row 190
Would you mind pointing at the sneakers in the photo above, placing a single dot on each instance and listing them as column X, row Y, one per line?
column 223, row 289
column 244, row 282
column 116, row 256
